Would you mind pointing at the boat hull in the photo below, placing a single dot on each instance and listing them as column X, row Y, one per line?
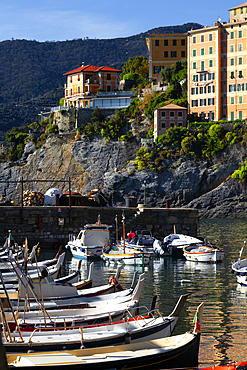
column 240, row 271
column 146, row 355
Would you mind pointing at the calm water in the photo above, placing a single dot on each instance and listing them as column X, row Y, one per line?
column 224, row 328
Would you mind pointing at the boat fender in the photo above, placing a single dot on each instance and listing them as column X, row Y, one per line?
column 116, row 283
column 127, row 338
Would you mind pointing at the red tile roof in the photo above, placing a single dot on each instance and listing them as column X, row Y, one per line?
column 92, row 68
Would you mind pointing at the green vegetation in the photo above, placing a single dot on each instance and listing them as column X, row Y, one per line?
column 17, row 137
column 109, row 129
column 135, row 68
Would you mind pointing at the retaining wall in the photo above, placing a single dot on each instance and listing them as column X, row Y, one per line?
column 52, row 225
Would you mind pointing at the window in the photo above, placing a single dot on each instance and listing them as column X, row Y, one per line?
column 157, row 43
column 232, row 61
column 173, row 54
column 209, row 89
column 163, row 125
column 108, row 76
column 194, row 103
column 202, row 65
column 194, row 52
column 163, row 113
column 201, row 90
column 202, row 51
column 210, row 63
column 235, row 12
column 211, row 50
column 180, row 114
column 232, row 48
column 156, row 69
column 210, row 101
column 232, row 116
column 165, row 42
column 194, row 65
column 182, row 54
column 232, row 99
column 172, row 114
column 232, row 35
column 240, row 99
column 174, row 42
column 232, row 75
column 165, row 54
column 78, row 89
column 202, row 102
column 240, row 114
column 202, row 38
column 240, row 61
column 182, row 42
column 108, row 88
column 240, row 47
column 240, row 34
column 210, row 37
column 240, row 74
column 232, row 88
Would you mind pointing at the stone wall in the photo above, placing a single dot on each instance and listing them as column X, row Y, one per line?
column 52, row 225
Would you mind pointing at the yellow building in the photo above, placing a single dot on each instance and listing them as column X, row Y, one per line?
column 164, row 50
column 217, row 68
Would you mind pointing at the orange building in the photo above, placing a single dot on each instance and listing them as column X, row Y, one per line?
column 217, row 68
column 84, row 82
column 164, row 50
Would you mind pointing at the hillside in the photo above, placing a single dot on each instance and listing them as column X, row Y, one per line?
column 30, row 68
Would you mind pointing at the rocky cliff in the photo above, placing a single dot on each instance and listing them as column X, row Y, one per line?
column 110, row 166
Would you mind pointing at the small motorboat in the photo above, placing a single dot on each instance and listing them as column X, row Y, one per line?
column 176, row 242
column 239, row 268
column 202, row 253
column 90, row 241
column 178, row 351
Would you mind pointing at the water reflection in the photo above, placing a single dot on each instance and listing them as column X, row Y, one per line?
column 224, row 328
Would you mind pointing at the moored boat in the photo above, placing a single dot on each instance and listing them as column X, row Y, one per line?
column 124, row 255
column 239, row 268
column 177, row 351
column 202, row 253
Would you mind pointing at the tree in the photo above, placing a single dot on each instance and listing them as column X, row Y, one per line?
column 139, row 65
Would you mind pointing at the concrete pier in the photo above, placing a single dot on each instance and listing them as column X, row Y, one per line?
column 52, row 225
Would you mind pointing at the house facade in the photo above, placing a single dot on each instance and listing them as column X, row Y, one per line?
column 164, row 50
column 84, row 82
column 169, row 115
column 217, row 68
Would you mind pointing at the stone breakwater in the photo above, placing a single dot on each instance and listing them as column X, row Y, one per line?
column 52, row 225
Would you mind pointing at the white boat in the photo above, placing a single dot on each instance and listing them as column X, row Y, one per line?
column 147, row 326
column 93, row 309
column 46, row 288
column 176, row 242
column 116, row 254
column 178, row 351
column 53, row 269
column 239, row 268
column 89, row 241
column 202, row 253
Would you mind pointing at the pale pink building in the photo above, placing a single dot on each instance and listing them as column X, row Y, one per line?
column 169, row 115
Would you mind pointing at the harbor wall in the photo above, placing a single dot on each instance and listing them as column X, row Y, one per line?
column 51, row 225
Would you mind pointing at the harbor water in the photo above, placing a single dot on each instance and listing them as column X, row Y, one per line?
column 224, row 326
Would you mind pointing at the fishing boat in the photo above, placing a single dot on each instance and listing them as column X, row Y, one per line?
column 239, row 268
column 89, row 310
column 178, row 351
column 43, row 286
column 90, row 240
column 118, row 254
column 150, row 325
column 202, row 253
column 11, row 278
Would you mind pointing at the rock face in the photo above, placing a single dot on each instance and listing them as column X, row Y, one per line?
column 110, row 166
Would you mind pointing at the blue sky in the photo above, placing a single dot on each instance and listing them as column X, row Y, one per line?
column 55, row 20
